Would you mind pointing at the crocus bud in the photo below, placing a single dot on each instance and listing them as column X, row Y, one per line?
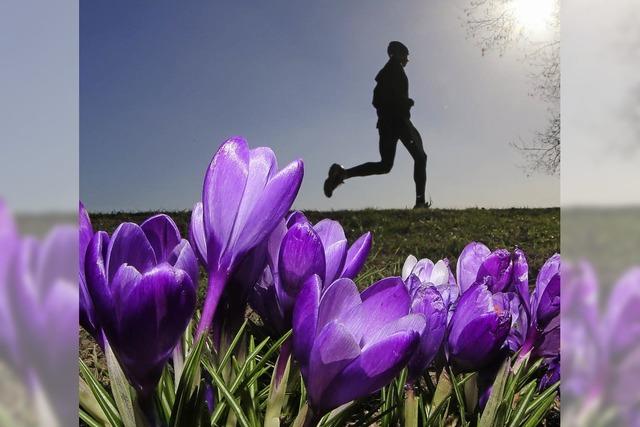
column 244, row 197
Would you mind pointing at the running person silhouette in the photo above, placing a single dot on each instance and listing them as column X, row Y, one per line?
column 392, row 103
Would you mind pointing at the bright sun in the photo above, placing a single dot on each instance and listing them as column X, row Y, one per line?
column 533, row 15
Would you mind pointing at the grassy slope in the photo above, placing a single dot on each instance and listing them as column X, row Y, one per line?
column 434, row 234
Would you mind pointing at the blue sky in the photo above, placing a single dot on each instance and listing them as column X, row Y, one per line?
column 163, row 84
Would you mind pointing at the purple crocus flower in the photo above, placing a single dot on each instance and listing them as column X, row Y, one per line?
column 348, row 344
column 478, row 328
column 504, row 271
column 142, row 283
column 295, row 254
column 88, row 319
column 243, row 198
column 438, row 275
column 426, row 300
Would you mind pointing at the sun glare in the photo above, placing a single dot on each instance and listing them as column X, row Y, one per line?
column 533, row 15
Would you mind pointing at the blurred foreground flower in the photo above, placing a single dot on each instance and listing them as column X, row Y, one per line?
column 39, row 313
column 243, row 198
column 142, row 283
column 350, row 345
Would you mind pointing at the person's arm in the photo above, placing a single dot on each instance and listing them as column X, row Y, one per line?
column 399, row 89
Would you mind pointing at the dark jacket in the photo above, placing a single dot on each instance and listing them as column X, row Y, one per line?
column 391, row 94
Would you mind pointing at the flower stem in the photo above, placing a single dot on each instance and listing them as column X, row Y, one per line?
column 217, row 281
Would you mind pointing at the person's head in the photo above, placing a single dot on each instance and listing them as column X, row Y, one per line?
column 399, row 52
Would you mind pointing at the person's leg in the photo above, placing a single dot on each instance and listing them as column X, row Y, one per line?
column 412, row 140
column 387, row 147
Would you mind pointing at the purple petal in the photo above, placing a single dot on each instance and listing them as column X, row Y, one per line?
column 521, row 277
column 57, row 257
column 408, row 265
column 197, row 236
column 183, row 258
column 389, row 304
column 333, row 350
column 152, row 319
column 335, row 256
column 548, row 305
column 163, row 235
column 305, row 319
column 380, row 286
column 224, row 186
column 622, row 323
column 468, row 264
column 423, row 270
column 498, row 267
column 356, row 256
column 86, row 232
column 375, row 368
column 550, row 269
column 96, row 275
column 330, row 232
column 296, row 217
column 274, row 202
column 273, row 245
column 301, row 256
column 129, row 245
column 338, row 298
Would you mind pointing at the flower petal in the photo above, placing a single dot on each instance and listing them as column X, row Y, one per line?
column 356, row 256
column 223, row 189
column 333, row 349
column 163, row 235
column 305, row 319
column 498, row 267
column 197, row 236
column 330, row 232
column 335, row 256
column 468, row 264
column 375, row 368
column 408, row 265
column 272, row 205
column 337, row 298
column 129, row 245
column 301, row 256
column 183, row 258
column 377, row 310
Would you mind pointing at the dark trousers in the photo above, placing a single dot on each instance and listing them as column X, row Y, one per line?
column 392, row 130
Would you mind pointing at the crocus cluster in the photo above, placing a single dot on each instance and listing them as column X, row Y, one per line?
column 138, row 290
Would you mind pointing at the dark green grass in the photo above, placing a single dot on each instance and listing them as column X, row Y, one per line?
column 434, row 234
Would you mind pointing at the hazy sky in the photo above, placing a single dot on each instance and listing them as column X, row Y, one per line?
column 162, row 85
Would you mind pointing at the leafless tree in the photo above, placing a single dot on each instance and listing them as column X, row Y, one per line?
column 493, row 24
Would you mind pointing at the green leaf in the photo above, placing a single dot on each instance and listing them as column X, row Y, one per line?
column 443, row 389
column 189, row 380
column 491, row 412
column 103, row 398
column 232, row 347
column 89, row 402
column 458, row 393
column 411, row 403
column 528, row 393
column 228, row 395
column 120, row 388
column 277, row 394
column 84, row 416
